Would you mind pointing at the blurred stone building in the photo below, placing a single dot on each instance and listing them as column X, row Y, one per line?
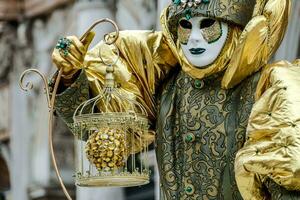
column 29, row 29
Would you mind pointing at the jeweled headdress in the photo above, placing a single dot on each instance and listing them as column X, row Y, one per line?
column 238, row 12
column 269, row 18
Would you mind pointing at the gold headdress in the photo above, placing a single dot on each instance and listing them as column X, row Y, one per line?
column 263, row 24
column 238, row 12
column 259, row 40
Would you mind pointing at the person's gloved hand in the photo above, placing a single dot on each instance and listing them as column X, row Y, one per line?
column 69, row 54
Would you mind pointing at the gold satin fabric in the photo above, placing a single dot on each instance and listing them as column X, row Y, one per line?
column 145, row 58
column 272, row 149
column 258, row 41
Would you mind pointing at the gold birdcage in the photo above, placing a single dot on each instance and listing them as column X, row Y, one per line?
column 109, row 129
column 109, row 132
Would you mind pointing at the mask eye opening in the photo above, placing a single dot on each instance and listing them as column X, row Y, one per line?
column 185, row 24
column 208, row 22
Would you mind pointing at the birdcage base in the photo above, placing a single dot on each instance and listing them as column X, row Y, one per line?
column 113, row 181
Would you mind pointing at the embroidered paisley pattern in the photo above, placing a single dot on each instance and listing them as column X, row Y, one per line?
column 280, row 193
column 67, row 101
column 200, row 128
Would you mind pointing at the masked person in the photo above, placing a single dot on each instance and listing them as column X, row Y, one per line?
column 199, row 79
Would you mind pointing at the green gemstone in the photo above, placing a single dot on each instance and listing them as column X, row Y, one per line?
column 177, row 2
column 198, row 84
column 188, row 14
column 205, row 1
column 188, row 17
column 63, row 45
column 189, row 138
column 189, row 189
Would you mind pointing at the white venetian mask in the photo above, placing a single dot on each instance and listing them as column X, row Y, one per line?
column 202, row 39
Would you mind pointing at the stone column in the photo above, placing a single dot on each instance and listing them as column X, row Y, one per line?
column 7, row 37
column 87, row 12
column 44, row 38
column 20, row 126
column 31, row 169
column 45, row 34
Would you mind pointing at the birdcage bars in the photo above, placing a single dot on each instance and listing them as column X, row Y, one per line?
column 88, row 175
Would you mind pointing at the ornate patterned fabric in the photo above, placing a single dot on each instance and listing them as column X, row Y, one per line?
column 278, row 192
column 200, row 128
column 70, row 98
column 235, row 11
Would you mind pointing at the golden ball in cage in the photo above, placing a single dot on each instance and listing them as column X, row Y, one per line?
column 106, row 149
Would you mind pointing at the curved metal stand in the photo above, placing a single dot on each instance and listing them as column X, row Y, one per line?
column 29, row 85
column 51, row 98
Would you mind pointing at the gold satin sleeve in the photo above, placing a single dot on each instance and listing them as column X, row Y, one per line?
column 272, row 149
column 144, row 60
column 259, row 40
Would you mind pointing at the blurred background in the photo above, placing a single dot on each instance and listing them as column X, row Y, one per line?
column 29, row 30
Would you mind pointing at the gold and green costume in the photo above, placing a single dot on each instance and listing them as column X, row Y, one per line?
column 230, row 131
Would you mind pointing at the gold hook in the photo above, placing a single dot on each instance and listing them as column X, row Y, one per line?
column 99, row 22
column 29, row 85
